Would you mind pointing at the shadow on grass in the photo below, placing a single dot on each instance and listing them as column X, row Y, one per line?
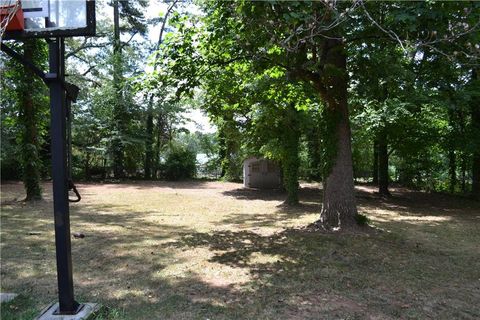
column 151, row 184
column 256, row 194
column 304, row 193
column 303, row 274
column 410, row 202
column 282, row 214
column 296, row 274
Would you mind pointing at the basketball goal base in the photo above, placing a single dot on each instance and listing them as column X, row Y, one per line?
column 85, row 311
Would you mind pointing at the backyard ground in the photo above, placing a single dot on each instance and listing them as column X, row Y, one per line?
column 212, row 250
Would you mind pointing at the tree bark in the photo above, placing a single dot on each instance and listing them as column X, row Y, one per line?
column 30, row 158
column 476, row 175
column 475, row 112
column 339, row 204
column 452, row 171
column 222, row 150
column 314, row 153
column 290, row 179
column 104, row 172
column 228, row 149
column 383, row 177
column 375, row 162
column 149, row 143
column 291, row 160
column 476, row 152
column 87, row 166
column 452, row 157
column 463, row 168
column 158, row 145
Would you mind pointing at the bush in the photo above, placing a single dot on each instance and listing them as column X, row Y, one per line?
column 10, row 170
column 179, row 164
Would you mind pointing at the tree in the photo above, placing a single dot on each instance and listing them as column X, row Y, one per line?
column 180, row 163
column 475, row 114
column 384, row 97
column 30, row 96
column 318, row 60
column 132, row 13
column 149, row 154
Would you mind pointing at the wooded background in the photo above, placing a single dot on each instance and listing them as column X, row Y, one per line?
column 377, row 92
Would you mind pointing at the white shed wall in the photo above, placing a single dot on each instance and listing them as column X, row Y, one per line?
column 261, row 173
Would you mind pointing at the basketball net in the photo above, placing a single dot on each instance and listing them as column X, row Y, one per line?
column 8, row 9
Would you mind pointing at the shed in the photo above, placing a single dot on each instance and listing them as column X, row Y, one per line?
column 261, row 173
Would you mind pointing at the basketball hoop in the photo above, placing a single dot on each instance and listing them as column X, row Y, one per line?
column 11, row 17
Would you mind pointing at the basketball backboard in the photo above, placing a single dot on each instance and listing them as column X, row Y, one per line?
column 54, row 18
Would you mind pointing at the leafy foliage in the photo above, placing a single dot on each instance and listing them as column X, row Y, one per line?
column 25, row 102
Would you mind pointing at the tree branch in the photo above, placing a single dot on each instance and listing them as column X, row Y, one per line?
column 160, row 37
column 131, row 38
column 390, row 33
column 82, row 47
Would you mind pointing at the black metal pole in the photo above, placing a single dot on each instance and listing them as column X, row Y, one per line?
column 67, row 303
column 69, row 116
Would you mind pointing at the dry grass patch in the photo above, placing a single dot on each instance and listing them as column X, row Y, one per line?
column 198, row 250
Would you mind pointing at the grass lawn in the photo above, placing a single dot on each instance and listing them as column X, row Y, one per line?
column 211, row 250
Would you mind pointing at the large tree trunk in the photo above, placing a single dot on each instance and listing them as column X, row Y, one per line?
column 30, row 158
column 383, row 177
column 375, row 162
column 339, row 205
